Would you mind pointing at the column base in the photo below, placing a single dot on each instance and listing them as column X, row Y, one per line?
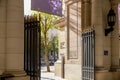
column 1, row 72
column 19, row 78
column 107, row 75
column 17, row 75
column 114, row 68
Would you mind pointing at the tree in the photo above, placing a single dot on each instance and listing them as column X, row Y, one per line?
column 47, row 23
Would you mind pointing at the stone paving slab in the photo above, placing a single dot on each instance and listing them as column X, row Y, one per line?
column 49, row 75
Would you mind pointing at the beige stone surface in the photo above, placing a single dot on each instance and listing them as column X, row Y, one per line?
column 2, row 61
column 15, row 61
column 107, row 75
column 58, row 68
column 2, row 35
column 3, row 13
column 62, row 43
column 2, row 45
column 15, row 30
column 12, row 39
column 2, row 30
column 107, row 62
column 18, row 3
column 15, row 35
column 99, row 61
column 115, row 41
column 115, row 60
column 73, row 72
column 86, row 14
column 15, row 45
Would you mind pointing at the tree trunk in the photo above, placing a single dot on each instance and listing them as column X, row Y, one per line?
column 47, row 61
column 46, row 55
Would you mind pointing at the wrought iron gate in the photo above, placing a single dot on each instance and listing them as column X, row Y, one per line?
column 88, row 40
column 32, row 47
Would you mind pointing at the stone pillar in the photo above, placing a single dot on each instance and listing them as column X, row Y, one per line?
column 98, row 25
column 115, row 39
column 86, row 14
column 2, row 34
column 106, row 47
column 14, row 63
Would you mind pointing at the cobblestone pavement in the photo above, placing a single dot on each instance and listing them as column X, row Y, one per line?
column 49, row 75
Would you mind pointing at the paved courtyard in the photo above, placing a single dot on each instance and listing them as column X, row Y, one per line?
column 49, row 75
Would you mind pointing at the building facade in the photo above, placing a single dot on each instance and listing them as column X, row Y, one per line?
column 83, row 16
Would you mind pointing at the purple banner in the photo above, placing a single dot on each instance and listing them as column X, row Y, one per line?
column 48, row 6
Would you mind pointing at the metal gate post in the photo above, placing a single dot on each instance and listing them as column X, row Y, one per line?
column 32, row 47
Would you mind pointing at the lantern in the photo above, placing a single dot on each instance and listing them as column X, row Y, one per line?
column 111, row 17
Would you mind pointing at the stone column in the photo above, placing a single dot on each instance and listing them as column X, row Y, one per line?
column 15, row 40
column 97, row 23
column 106, row 47
column 86, row 14
column 115, row 39
column 102, row 42
column 2, row 34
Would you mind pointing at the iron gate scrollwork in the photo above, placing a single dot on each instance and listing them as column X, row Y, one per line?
column 32, row 47
column 88, row 45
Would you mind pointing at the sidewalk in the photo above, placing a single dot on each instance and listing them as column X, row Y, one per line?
column 49, row 75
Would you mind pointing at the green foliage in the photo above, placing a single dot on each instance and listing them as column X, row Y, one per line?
column 42, row 47
column 46, row 23
column 55, row 40
column 50, row 46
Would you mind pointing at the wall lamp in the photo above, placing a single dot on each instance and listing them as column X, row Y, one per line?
column 111, row 18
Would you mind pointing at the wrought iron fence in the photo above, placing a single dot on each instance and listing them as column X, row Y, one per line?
column 32, row 39
column 88, row 44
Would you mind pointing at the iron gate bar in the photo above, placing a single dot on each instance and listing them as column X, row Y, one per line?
column 88, row 45
column 25, row 51
column 32, row 47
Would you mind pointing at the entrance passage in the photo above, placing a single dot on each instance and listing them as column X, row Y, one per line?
column 32, row 47
column 88, row 40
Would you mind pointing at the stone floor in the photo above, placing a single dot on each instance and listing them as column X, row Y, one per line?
column 49, row 75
